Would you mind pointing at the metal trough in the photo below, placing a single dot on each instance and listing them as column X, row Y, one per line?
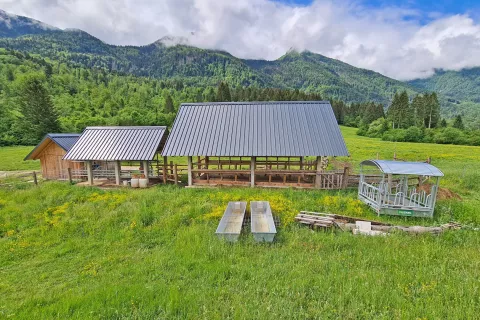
column 263, row 226
column 231, row 223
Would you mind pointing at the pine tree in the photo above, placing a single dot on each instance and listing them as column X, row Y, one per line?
column 418, row 107
column 458, row 123
column 169, row 104
column 393, row 111
column 443, row 123
column 36, row 106
column 432, row 114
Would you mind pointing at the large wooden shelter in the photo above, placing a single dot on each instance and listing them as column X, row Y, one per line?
column 105, row 149
column 51, row 150
column 274, row 144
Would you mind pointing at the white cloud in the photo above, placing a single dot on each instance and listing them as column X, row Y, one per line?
column 389, row 40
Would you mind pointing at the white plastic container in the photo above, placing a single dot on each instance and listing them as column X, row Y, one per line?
column 134, row 183
column 125, row 183
column 143, row 183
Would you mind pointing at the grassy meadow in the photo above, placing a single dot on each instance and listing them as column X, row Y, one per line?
column 78, row 252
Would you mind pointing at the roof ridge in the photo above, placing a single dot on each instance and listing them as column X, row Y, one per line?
column 127, row 127
column 254, row 102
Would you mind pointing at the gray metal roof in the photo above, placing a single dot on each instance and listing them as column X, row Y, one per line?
column 287, row 128
column 401, row 167
column 64, row 140
column 117, row 143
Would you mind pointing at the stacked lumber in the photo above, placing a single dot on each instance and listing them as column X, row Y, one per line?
column 315, row 221
column 346, row 223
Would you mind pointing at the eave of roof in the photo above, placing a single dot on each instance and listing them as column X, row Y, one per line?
column 404, row 167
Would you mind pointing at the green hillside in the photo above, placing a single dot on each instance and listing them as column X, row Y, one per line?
column 307, row 71
column 458, row 90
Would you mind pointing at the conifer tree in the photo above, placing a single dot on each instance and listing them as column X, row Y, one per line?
column 36, row 106
column 458, row 123
column 432, row 114
column 169, row 104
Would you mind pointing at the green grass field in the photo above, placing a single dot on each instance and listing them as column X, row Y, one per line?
column 11, row 159
column 73, row 252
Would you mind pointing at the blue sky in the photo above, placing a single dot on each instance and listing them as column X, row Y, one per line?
column 445, row 7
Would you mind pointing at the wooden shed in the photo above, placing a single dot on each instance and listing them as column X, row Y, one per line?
column 270, row 144
column 51, row 150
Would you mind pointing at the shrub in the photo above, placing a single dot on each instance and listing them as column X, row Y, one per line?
column 450, row 136
column 413, row 134
column 395, row 135
column 377, row 128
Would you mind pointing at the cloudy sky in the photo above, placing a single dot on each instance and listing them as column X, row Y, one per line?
column 401, row 39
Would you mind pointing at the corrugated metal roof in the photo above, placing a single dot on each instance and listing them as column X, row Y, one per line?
column 401, row 167
column 287, row 128
column 64, row 140
column 117, row 143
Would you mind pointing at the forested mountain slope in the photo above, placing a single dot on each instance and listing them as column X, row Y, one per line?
column 458, row 90
column 306, row 71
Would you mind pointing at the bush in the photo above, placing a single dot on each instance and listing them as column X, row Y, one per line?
column 377, row 128
column 395, row 135
column 450, row 136
column 413, row 134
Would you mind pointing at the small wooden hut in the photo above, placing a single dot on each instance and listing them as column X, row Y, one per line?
column 104, row 149
column 271, row 144
column 51, row 150
column 400, row 188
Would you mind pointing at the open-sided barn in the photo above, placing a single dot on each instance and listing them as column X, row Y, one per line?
column 51, row 150
column 258, row 143
column 110, row 146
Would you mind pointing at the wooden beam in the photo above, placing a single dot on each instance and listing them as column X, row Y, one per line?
column 190, row 178
column 89, row 172
column 117, row 172
column 252, row 171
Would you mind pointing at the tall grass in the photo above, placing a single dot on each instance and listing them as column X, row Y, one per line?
column 73, row 252
column 67, row 251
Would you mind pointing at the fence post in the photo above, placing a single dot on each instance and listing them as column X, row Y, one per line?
column 69, row 172
column 165, row 170
column 175, row 174
column 35, row 178
column 346, row 174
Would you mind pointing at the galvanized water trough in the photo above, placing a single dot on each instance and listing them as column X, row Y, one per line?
column 263, row 226
column 230, row 226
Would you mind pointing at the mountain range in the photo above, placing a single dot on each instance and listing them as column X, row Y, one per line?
column 170, row 57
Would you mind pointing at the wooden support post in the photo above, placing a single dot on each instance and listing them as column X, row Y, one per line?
column 35, row 181
column 175, row 174
column 164, row 173
column 252, row 171
column 117, row 172
column 199, row 164
column 190, row 178
column 318, row 177
column 171, row 167
column 301, row 163
column 69, row 173
column 146, row 164
column 89, row 172
column 206, row 162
